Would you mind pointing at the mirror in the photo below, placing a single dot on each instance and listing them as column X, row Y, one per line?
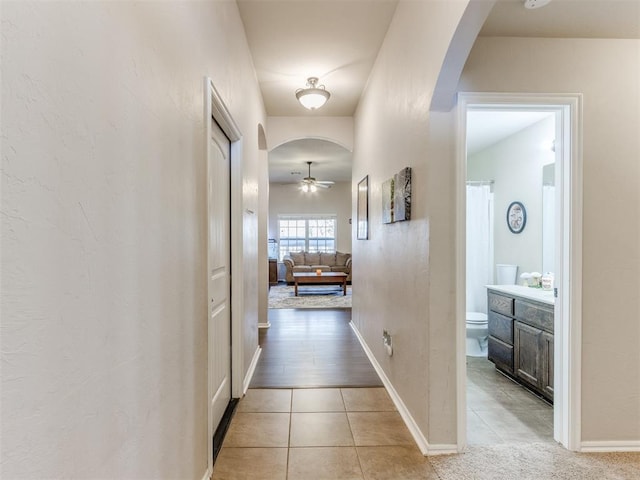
column 548, row 218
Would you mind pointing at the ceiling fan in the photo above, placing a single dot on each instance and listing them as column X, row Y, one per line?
column 310, row 184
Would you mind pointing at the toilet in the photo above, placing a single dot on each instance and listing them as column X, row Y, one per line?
column 477, row 334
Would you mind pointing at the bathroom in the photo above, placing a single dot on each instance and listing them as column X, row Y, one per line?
column 510, row 236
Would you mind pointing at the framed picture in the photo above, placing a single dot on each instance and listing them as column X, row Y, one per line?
column 516, row 217
column 362, row 224
column 387, row 201
column 402, row 195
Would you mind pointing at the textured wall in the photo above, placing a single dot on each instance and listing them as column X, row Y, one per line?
column 607, row 73
column 104, row 232
column 413, row 300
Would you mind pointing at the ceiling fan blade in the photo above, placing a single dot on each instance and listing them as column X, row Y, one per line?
column 321, row 185
column 325, row 182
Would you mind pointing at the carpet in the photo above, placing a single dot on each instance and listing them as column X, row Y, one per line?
column 536, row 461
column 316, row 296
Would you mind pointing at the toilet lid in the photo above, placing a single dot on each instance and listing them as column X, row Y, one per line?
column 476, row 318
column 477, row 322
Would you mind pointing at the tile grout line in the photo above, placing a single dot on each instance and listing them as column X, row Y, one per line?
column 355, row 447
column 286, row 472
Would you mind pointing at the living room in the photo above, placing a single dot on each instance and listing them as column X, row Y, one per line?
column 310, row 207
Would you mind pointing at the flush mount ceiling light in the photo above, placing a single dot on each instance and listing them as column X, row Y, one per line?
column 531, row 4
column 314, row 96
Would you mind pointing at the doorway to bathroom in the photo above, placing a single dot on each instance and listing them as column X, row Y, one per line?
column 518, row 221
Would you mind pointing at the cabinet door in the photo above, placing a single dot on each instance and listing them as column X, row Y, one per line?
column 526, row 354
column 501, row 354
column 547, row 364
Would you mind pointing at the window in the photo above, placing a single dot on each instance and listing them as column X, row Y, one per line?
column 309, row 233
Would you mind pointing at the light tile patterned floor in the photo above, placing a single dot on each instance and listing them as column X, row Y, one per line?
column 332, row 434
column 500, row 411
column 356, row 433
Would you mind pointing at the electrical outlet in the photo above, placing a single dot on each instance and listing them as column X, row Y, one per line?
column 387, row 342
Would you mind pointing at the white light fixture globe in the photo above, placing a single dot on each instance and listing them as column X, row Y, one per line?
column 531, row 4
column 314, row 96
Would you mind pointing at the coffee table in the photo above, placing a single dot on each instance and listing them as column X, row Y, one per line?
column 327, row 278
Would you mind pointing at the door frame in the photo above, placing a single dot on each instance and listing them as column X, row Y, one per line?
column 568, row 334
column 215, row 108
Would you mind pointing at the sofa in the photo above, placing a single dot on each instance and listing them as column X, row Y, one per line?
column 306, row 262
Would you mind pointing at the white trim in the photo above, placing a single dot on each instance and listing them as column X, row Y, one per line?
column 207, row 475
column 461, row 276
column 251, row 370
column 567, row 352
column 411, row 424
column 221, row 114
column 444, row 449
column 237, row 277
column 264, row 325
column 611, row 446
column 215, row 108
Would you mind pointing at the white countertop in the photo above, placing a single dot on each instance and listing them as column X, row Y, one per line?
column 537, row 294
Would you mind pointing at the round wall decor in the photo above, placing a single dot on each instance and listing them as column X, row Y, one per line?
column 516, row 217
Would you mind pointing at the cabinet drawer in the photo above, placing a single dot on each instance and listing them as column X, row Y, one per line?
column 540, row 316
column 501, row 327
column 501, row 354
column 500, row 304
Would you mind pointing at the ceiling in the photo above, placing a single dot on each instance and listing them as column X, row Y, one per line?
column 338, row 41
column 486, row 128
column 330, row 161
column 565, row 19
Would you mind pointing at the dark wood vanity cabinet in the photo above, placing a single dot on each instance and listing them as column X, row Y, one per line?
column 521, row 340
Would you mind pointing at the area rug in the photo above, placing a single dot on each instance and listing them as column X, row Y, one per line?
column 330, row 296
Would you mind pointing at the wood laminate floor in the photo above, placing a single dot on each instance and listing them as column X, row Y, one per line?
column 310, row 348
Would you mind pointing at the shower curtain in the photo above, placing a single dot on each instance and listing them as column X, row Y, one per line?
column 479, row 246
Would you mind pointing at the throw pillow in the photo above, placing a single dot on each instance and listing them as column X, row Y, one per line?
column 312, row 258
column 341, row 258
column 297, row 257
column 328, row 258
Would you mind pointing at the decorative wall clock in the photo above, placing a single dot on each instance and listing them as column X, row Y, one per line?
column 516, row 217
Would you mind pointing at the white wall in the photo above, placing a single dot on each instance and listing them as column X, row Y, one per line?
column 288, row 199
column 285, row 129
column 104, row 293
column 515, row 165
column 413, row 300
column 607, row 73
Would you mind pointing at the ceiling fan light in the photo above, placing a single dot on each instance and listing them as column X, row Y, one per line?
column 313, row 97
column 305, row 188
column 313, row 188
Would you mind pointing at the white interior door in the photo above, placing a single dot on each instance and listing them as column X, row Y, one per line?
column 219, row 255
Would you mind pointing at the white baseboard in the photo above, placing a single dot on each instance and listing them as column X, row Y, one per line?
column 251, row 370
column 443, row 449
column 415, row 431
column 611, row 446
column 264, row 325
column 207, row 475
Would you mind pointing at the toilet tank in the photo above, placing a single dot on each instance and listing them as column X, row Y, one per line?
column 506, row 274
